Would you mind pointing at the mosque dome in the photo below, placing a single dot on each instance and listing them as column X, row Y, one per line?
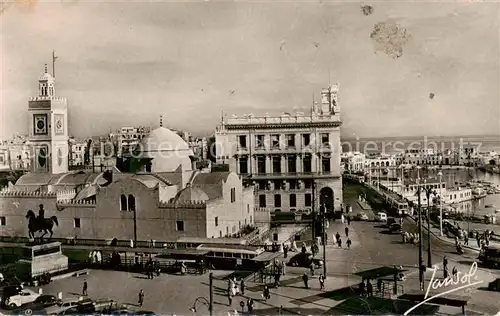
column 166, row 149
column 46, row 77
column 191, row 194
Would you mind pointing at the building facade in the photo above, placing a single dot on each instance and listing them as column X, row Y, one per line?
column 77, row 150
column 160, row 207
column 293, row 160
column 129, row 138
column 353, row 161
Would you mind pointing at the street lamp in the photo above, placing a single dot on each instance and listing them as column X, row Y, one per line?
column 428, row 191
column 323, row 213
column 209, row 303
column 440, row 174
column 420, row 259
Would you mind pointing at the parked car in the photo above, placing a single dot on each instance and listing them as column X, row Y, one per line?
column 494, row 285
column 46, row 300
column 8, row 291
column 361, row 217
column 390, row 221
column 396, row 228
column 304, row 260
column 381, row 217
column 64, row 305
column 24, row 297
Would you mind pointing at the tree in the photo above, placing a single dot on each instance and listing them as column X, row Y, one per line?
column 211, row 148
column 86, row 155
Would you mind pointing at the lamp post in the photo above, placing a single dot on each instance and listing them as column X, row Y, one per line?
column 323, row 211
column 209, row 303
column 440, row 174
column 428, row 192
column 420, row 259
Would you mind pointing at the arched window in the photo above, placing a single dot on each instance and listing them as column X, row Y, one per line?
column 131, row 202
column 123, row 202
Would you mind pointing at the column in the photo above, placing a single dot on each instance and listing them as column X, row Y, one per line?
column 299, row 163
column 268, row 163
column 283, row 164
column 314, row 162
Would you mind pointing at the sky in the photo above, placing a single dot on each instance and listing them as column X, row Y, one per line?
column 127, row 63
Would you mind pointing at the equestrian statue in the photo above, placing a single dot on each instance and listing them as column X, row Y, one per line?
column 40, row 223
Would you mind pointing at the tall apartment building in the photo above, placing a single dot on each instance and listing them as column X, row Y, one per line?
column 129, row 138
column 293, row 160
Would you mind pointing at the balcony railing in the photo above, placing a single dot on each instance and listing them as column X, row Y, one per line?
column 318, row 174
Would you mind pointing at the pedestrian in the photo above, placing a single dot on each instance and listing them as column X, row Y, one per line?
column 445, row 262
column 339, row 241
column 321, row 282
column 369, row 288
column 347, row 231
column 265, row 293
column 85, row 288
column 285, row 251
column 305, row 278
column 141, row 298
column 250, row 305
column 337, row 236
column 466, row 240
column 348, row 220
column 311, row 268
column 445, row 273
column 229, row 298
column 277, row 280
column 242, row 287
column 349, row 242
column 362, row 287
column 478, row 241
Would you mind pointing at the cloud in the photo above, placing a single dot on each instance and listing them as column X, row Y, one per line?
column 126, row 62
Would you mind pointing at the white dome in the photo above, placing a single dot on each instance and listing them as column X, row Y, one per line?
column 46, row 77
column 167, row 149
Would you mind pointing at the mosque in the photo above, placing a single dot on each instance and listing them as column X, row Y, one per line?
column 167, row 198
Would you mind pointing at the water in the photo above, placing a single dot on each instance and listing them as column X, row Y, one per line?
column 454, row 177
column 393, row 145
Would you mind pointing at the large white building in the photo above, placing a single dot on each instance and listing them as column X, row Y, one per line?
column 353, row 161
column 293, row 160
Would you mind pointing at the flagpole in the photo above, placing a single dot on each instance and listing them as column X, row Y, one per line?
column 54, row 64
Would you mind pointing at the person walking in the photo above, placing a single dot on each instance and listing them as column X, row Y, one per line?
column 141, row 298
column 230, row 297
column 445, row 262
column 311, row 268
column 305, row 278
column 349, row 242
column 85, row 288
column 362, row 287
column 321, row 282
column 265, row 293
column 348, row 220
column 285, row 251
column 369, row 288
column 339, row 241
column 250, row 305
column 466, row 240
column 337, row 236
column 347, row 231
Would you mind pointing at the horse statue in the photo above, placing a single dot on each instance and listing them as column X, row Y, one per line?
column 40, row 224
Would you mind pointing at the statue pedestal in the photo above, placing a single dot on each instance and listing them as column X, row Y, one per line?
column 43, row 258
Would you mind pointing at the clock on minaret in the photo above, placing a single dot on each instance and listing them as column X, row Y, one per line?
column 40, row 124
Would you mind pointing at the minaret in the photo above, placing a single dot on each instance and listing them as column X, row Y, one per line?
column 48, row 128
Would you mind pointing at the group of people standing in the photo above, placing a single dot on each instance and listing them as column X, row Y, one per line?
column 338, row 240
